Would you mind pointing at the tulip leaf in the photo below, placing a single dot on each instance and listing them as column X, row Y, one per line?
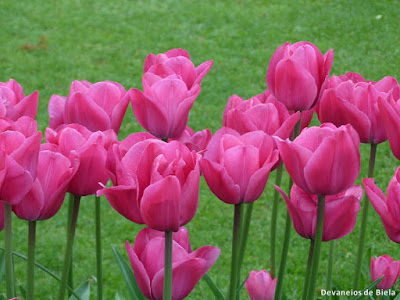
column 83, row 292
column 130, row 280
column 23, row 292
column 239, row 288
column 397, row 297
column 3, row 297
column 213, row 287
column 370, row 287
column 2, row 265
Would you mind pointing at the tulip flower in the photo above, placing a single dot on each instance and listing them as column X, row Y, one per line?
column 175, row 62
column 25, row 125
column 340, row 214
column 260, row 285
column 155, row 183
column 236, row 167
column 296, row 74
column 99, row 106
column 163, row 109
column 323, row 160
column 196, row 141
column 349, row 99
column 48, row 191
column 13, row 102
column 386, row 266
column 386, row 207
column 91, row 149
column 187, row 268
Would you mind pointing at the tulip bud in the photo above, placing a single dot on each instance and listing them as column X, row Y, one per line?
column 260, row 285
column 386, row 266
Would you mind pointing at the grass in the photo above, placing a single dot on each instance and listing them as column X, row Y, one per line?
column 45, row 45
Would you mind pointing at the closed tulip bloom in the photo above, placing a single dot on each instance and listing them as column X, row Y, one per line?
column 236, row 167
column 163, row 109
column 323, row 160
column 99, row 106
column 155, row 183
column 340, row 214
column 350, row 99
column 260, row 285
column 175, row 62
column 196, row 141
column 187, row 267
column 386, row 266
column 55, row 171
column 296, row 74
column 388, row 207
column 13, row 102
column 91, row 149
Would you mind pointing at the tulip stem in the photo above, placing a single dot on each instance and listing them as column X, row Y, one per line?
column 70, row 273
column 167, row 295
column 235, row 252
column 364, row 219
column 317, row 247
column 98, row 251
column 308, row 270
column 30, row 295
column 8, row 251
column 68, row 250
column 274, row 217
column 330, row 267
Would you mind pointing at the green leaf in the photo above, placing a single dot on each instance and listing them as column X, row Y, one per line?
column 397, row 297
column 3, row 297
column 370, row 287
column 133, row 289
column 2, row 265
column 23, row 292
column 216, row 291
column 83, row 292
column 239, row 288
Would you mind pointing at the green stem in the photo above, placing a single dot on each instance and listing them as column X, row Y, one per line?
column 168, row 266
column 317, row 247
column 98, row 251
column 364, row 219
column 68, row 250
column 30, row 287
column 308, row 271
column 235, row 251
column 274, row 217
column 70, row 273
column 8, row 251
column 330, row 267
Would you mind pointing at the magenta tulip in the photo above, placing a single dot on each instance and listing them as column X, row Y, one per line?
column 270, row 116
column 340, row 212
column 349, row 99
column 260, row 285
column 100, row 106
column 1, row 215
column 155, row 183
column 236, row 167
column 386, row 266
column 187, row 267
column 54, row 173
column 196, row 141
column 163, row 109
column 13, row 102
column 175, row 62
column 323, row 160
column 388, row 207
column 91, row 149
column 296, row 74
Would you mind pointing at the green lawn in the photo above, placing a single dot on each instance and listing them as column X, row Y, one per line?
column 109, row 40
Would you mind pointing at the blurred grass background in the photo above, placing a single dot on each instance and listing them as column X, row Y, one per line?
column 45, row 45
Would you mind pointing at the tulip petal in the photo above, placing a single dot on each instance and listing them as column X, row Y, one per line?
column 30, row 207
column 119, row 111
column 391, row 121
column 26, row 107
column 202, row 70
column 190, row 196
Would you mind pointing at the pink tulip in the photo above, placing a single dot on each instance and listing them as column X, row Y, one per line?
column 18, row 163
column 54, row 173
column 155, row 183
column 99, row 106
column 388, row 207
column 386, row 266
column 270, row 116
column 350, row 99
column 296, row 74
column 195, row 141
column 175, row 62
column 1, row 215
column 25, row 125
column 260, row 285
column 187, row 267
column 13, row 102
column 163, row 109
column 323, row 160
column 236, row 167
column 340, row 212
column 91, row 149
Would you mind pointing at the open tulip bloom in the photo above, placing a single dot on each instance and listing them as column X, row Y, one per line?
column 386, row 266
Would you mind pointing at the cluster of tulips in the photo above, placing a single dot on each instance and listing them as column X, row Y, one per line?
column 155, row 174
